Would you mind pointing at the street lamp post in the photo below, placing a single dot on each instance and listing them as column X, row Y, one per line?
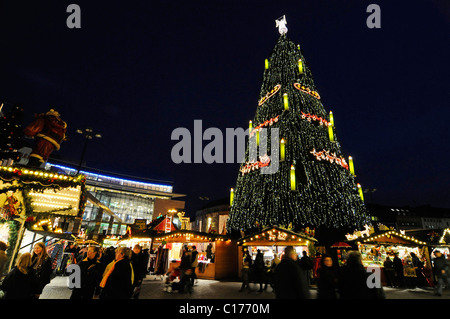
column 88, row 134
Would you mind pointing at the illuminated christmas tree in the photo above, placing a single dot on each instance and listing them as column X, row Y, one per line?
column 314, row 184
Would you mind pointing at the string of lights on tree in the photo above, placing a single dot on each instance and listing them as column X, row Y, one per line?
column 307, row 190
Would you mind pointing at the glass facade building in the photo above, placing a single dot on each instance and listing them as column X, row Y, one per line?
column 120, row 200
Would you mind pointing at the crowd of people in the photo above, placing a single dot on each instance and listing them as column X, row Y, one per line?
column 292, row 276
column 262, row 272
column 185, row 271
column 117, row 273
column 30, row 275
column 111, row 273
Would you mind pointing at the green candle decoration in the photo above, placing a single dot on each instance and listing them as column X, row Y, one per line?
column 293, row 178
column 286, row 101
column 351, row 166
column 360, row 192
column 330, row 132
column 300, row 66
column 282, row 149
column 231, row 196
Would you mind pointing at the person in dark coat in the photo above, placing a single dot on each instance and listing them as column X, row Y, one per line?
column 19, row 283
column 441, row 270
column 146, row 253
column 194, row 256
column 91, row 274
column 398, row 267
column 246, row 268
column 186, row 270
column 306, row 263
column 327, row 279
column 139, row 262
column 389, row 272
column 3, row 259
column 289, row 279
column 42, row 267
column 353, row 280
column 258, row 269
column 270, row 272
column 418, row 265
column 107, row 256
column 117, row 281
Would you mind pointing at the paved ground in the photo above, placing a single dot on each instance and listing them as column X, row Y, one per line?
column 222, row 299
column 153, row 288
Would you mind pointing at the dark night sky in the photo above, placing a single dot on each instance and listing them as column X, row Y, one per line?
column 136, row 70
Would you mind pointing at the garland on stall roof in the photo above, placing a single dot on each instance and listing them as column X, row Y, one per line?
column 14, row 227
column 36, row 181
column 8, row 173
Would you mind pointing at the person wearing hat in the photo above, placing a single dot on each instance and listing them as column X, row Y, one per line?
column 3, row 259
column 441, row 270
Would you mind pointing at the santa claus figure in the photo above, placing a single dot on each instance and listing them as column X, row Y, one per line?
column 49, row 130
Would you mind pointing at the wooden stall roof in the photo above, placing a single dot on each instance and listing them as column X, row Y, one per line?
column 65, row 236
column 154, row 228
column 178, row 236
column 277, row 236
column 159, row 226
column 389, row 237
column 433, row 237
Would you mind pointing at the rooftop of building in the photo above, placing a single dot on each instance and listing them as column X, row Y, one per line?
column 119, row 182
column 419, row 211
column 215, row 205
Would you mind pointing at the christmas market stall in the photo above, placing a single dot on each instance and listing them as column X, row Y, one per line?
column 271, row 241
column 166, row 235
column 217, row 254
column 340, row 250
column 436, row 239
column 141, row 233
column 39, row 205
column 389, row 244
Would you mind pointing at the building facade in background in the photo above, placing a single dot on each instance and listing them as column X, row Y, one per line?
column 115, row 201
column 409, row 218
column 213, row 217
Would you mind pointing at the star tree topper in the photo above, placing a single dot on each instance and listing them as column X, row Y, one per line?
column 281, row 24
